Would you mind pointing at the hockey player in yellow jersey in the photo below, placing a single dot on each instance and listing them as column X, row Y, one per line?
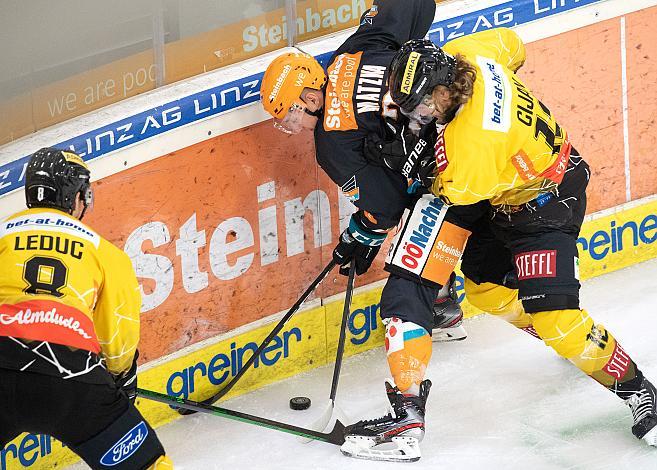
column 69, row 325
column 497, row 144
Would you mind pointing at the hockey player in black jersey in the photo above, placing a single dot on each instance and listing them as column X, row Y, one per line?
column 342, row 106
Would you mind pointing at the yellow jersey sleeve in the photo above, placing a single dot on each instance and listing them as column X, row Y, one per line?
column 501, row 44
column 474, row 161
column 116, row 315
column 503, row 145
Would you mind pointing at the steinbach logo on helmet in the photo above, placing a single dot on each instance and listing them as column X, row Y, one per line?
column 126, row 446
column 409, row 72
column 279, row 82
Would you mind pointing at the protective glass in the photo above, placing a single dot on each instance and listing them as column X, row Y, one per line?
column 423, row 112
column 292, row 122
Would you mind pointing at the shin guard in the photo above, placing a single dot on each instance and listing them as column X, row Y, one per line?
column 408, row 347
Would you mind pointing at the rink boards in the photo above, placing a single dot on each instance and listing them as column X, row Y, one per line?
column 609, row 240
column 226, row 220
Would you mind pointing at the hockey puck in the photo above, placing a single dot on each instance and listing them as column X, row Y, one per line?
column 300, row 403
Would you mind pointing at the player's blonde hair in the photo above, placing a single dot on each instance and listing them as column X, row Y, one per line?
column 461, row 90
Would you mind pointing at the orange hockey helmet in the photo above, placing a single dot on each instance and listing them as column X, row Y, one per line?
column 285, row 79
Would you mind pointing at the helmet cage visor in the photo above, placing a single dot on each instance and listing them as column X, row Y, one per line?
column 292, row 122
column 423, row 112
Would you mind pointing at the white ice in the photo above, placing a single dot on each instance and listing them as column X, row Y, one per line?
column 500, row 400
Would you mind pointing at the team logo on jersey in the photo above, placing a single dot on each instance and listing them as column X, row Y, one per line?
column 126, row 446
column 369, row 16
column 339, row 108
column 351, row 190
column 409, row 72
column 533, row 264
column 497, row 96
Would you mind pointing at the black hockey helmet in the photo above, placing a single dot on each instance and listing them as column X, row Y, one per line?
column 416, row 69
column 54, row 177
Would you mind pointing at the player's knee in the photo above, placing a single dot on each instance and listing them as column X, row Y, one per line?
column 162, row 463
column 408, row 347
column 499, row 301
column 565, row 331
column 491, row 298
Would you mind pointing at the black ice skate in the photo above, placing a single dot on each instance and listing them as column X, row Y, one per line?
column 394, row 437
column 644, row 410
column 447, row 315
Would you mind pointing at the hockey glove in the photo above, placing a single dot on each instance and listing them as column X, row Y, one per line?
column 389, row 151
column 404, row 152
column 359, row 243
column 127, row 381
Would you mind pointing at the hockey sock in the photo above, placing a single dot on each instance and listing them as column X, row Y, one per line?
column 408, row 347
column 593, row 349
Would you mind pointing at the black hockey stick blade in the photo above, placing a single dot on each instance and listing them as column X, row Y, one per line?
column 336, row 436
column 325, row 419
column 277, row 329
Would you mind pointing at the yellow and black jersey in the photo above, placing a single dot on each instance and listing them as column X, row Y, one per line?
column 503, row 145
column 63, row 284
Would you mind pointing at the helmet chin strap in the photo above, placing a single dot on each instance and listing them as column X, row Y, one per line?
column 317, row 113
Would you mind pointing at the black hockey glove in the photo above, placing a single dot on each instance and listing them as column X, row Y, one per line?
column 389, row 151
column 404, row 152
column 128, row 380
column 359, row 243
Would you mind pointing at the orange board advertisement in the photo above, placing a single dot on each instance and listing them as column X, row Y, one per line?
column 223, row 233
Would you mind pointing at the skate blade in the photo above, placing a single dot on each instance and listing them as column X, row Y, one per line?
column 651, row 437
column 443, row 335
column 398, row 449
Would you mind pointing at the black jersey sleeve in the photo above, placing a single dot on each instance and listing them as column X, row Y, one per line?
column 390, row 23
column 375, row 189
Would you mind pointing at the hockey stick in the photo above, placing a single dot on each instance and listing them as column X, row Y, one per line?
column 221, row 393
column 336, row 436
column 325, row 419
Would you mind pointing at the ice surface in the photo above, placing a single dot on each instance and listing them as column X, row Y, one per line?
column 500, row 400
